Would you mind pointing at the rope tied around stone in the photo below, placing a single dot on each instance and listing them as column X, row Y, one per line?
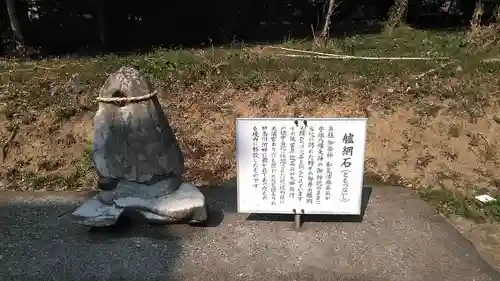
column 126, row 99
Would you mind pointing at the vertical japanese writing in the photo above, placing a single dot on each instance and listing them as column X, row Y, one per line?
column 305, row 167
column 319, row 165
column 283, row 135
column 293, row 160
column 329, row 159
column 310, row 165
column 347, row 151
column 274, row 136
column 302, row 136
column 255, row 157
column 265, row 161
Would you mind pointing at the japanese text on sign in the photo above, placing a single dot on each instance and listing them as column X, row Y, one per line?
column 315, row 165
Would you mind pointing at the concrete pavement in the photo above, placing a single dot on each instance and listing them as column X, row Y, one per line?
column 399, row 238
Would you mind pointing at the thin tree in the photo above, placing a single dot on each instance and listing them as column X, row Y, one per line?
column 397, row 14
column 478, row 13
column 496, row 13
column 101, row 22
column 322, row 39
column 14, row 22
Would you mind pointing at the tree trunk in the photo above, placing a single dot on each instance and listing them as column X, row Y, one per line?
column 14, row 21
column 325, row 32
column 496, row 13
column 101, row 23
column 477, row 14
column 396, row 14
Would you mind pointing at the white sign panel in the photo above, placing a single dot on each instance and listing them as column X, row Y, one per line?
column 288, row 165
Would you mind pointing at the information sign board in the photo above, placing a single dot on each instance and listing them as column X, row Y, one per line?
column 300, row 165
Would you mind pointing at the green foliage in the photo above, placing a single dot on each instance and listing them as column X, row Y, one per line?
column 455, row 203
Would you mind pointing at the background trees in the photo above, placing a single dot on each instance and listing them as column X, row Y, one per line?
column 65, row 26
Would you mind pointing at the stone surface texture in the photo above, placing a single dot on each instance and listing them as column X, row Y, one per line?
column 135, row 141
column 400, row 238
column 138, row 160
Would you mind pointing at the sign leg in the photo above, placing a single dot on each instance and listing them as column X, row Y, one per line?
column 297, row 221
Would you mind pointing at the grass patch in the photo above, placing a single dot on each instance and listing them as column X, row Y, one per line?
column 450, row 202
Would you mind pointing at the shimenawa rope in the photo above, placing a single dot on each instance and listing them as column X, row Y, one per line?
column 127, row 99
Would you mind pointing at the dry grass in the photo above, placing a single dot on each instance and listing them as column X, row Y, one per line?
column 483, row 37
column 438, row 133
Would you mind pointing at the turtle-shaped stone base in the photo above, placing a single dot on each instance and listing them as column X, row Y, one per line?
column 185, row 204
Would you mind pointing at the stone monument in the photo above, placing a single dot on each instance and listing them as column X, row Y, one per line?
column 137, row 158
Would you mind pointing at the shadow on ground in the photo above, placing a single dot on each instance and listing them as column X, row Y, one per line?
column 222, row 199
column 319, row 218
column 38, row 244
